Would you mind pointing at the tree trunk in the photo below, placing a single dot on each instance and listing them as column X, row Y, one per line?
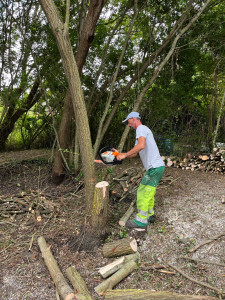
column 58, row 170
column 85, row 39
column 61, row 33
column 13, row 114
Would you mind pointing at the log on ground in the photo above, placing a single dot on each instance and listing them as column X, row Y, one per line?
column 120, row 247
column 78, row 284
column 127, row 215
column 133, row 294
column 113, row 267
column 63, row 289
column 109, row 283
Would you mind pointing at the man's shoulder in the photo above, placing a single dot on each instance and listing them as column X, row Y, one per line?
column 143, row 128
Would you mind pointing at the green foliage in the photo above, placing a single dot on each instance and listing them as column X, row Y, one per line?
column 176, row 106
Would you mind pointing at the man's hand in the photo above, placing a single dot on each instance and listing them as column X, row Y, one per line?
column 121, row 156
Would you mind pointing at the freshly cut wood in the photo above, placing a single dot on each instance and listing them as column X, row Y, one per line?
column 109, row 283
column 113, row 267
column 63, row 289
column 150, row 295
column 78, row 284
column 127, row 215
column 100, row 205
column 204, row 157
column 120, row 247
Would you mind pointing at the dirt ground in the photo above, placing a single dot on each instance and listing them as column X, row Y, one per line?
column 189, row 211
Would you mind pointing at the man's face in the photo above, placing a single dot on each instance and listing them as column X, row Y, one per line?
column 132, row 123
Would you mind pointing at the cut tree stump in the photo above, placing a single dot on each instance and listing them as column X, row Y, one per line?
column 127, row 215
column 133, row 294
column 78, row 284
column 63, row 289
column 113, row 267
column 100, row 205
column 120, row 247
column 109, row 283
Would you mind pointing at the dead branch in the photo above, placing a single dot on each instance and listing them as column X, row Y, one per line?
column 196, row 281
column 207, row 242
column 204, row 261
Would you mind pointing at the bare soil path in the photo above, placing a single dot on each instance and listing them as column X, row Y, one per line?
column 189, row 211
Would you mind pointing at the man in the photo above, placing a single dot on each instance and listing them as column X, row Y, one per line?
column 146, row 146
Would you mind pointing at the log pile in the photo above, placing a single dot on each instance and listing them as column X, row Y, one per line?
column 32, row 207
column 128, row 182
column 213, row 163
column 116, row 271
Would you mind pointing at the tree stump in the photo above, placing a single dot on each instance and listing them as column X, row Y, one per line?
column 99, row 211
column 120, row 247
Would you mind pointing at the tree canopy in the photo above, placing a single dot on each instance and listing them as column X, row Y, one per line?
column 129, row 42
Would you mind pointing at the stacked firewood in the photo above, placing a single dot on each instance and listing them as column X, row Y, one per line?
column 214, row 162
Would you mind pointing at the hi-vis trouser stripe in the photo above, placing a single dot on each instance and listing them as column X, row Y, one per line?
column 146, row 194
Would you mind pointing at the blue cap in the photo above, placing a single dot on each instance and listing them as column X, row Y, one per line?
column 133, row 114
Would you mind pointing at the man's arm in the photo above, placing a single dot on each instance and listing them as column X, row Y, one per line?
column 134, row 151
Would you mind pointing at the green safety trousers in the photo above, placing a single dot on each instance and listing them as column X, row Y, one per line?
column 146, row 195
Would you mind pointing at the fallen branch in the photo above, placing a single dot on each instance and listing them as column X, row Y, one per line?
column 62, row 286
column 204, row 261
column 207, row 242
column 196, row 281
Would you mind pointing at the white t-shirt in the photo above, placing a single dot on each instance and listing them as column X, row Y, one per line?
column 150, row 155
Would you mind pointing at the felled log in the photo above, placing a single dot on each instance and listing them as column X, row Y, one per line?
column 78, row 284
column 120, row 247
column 150, row 295
column 109, row 283
column 100, row 205
column 63, row 289
column 127, row 215
column 113, row 267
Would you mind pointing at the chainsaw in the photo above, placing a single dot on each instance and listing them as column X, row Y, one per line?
column 109, row 155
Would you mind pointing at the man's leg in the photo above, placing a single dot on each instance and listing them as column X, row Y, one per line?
column 145, row 197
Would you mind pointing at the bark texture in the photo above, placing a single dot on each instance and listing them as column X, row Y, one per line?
column 61, row 34
column 133, row 294
column 62, row 287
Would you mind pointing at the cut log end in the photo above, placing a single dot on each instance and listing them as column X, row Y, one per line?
column 102, row 184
